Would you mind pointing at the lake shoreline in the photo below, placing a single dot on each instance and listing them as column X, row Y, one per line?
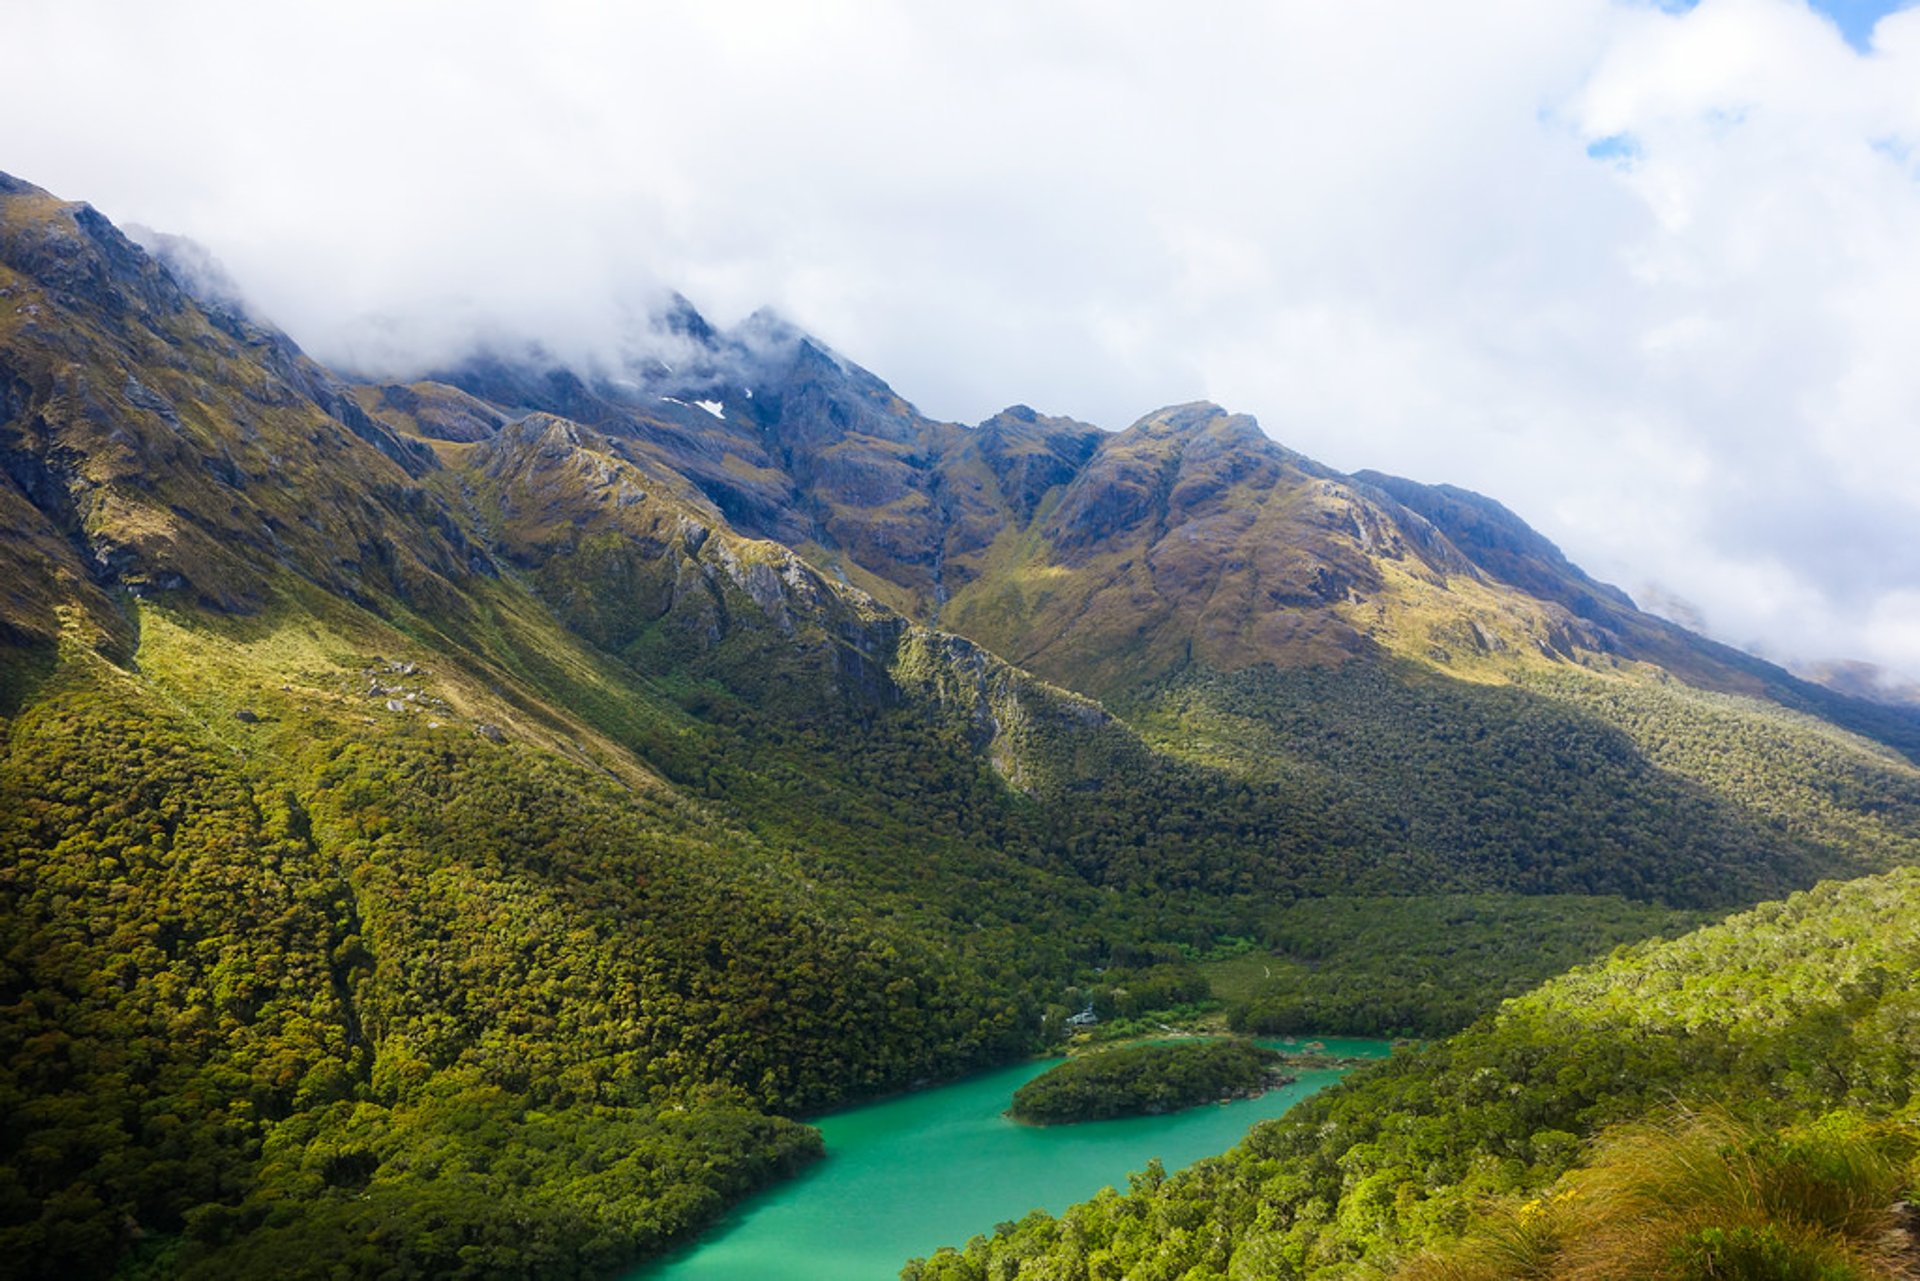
column 917, row 1169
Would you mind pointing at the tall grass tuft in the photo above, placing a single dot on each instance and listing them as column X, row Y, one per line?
column 1704, row 1196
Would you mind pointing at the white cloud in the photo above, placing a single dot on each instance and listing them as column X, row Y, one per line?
column 1375, row 225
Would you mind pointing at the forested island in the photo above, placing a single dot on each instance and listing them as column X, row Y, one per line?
column 1146, row 1080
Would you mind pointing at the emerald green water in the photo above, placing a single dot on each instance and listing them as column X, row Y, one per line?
column 907, row 1175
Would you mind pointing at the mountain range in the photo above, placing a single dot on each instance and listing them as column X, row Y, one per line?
column 454, row 825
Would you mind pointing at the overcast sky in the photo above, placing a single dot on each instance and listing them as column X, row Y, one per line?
column 1650, row 275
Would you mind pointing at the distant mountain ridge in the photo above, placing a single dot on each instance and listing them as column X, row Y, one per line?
column 1860, row 679
column 794, row 442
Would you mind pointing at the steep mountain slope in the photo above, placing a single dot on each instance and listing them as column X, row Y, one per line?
column 623, row 572
column 1795, row 1014
column 1336, row 814
column 1502, row 544
column 795, row 443
column 449, row 828
column 1299, row 632
column 330, row 869
column 333, row 860
column 1188, row 539
column 134, row 427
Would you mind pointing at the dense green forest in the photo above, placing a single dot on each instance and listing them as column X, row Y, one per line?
column 1797, row 1014
column 1580, row 785
column 412, row 931
column 1423, row 966
column 499, row 1018
column 1140, row 1080
column 358, row 942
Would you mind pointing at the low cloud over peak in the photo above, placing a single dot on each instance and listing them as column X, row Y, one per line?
column 1647, row 274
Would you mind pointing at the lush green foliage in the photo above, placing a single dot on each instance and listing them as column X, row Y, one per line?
column 170, row 981
column 1700, row 1197
column 467, row 1179
column 352, row 918
column 413, row 996
column 365, row 940
column 1704, row 1197
column 1422, row 966
column 1788, row 1012
column 1465, row 786
column 1796, row 774
column 1136, row 1080
column 1124, row 992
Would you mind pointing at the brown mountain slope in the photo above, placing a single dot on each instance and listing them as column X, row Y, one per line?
column 1103, row 560
column 149, row 448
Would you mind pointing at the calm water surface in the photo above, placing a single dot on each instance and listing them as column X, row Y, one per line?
column 910, row 1174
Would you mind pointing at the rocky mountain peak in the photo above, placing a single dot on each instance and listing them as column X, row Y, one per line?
column 72, row 251
column 680, row 316
column 767, row 330
column 195, row 269
column 162, row 450
column 1180, row 420
column 1502, row 543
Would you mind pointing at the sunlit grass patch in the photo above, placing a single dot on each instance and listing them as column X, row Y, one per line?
column 1700, row 1196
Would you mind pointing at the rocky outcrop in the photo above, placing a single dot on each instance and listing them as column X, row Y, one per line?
column 181, row 451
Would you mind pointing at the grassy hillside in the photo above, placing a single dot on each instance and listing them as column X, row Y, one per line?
column 1589, row 784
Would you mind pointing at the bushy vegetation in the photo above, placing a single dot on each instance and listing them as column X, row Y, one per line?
column 1784, row 1014
column 468, row 1179
column 170, row 982
column 264, row 983
column 412, row 997
column 1417, row 967
column 366, row 939
column 1123, row 992
column 1704, row 1197
column 1464, row 786
column 1796, row 774
column 1139, row 1080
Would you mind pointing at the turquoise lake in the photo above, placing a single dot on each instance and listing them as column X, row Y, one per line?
column 906, row 1175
